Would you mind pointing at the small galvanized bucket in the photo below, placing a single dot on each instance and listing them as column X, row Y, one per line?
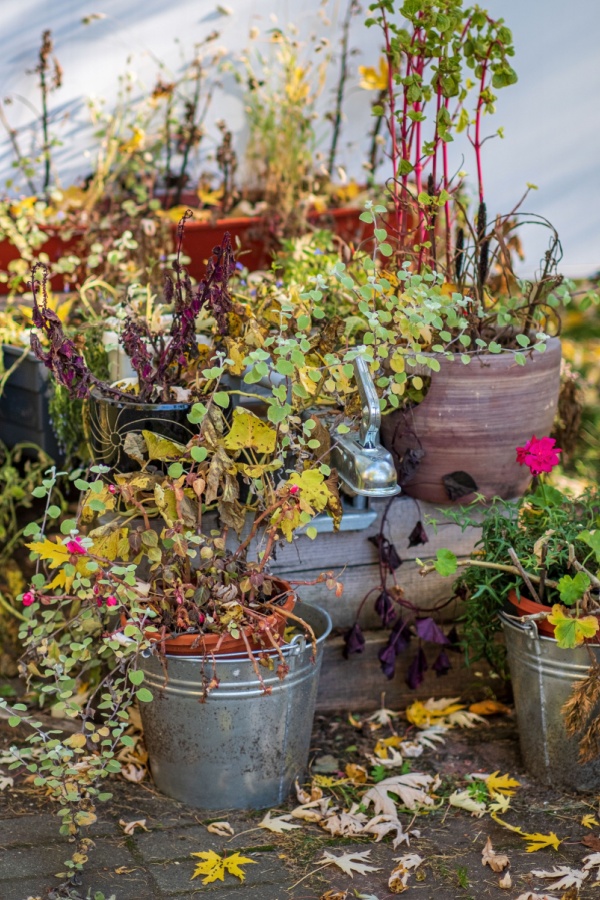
column 542, row 676
column 240, row 749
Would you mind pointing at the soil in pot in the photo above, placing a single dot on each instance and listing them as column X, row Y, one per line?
column 471, row 422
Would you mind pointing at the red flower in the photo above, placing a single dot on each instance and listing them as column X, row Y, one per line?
column 294, row 489
column 74, row 546
column 539, row 455
column 111, row 601
column 28, row 598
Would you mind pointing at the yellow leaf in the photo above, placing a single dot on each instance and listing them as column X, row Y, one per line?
column 489, row 708
column 215, row 866
column 357, row 774
column 249, row 432
column 54, row 554
column 589, row 821
column 423, row 716
column 381, row 747
column 536, row 841
column 76, row 741
column 372, row 79
column 501, row 784
column 161, row 448
column 571, row 632
column 110, row 543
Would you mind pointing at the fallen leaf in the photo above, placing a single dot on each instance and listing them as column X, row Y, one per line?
column 464, row 800
column 343, row 824
column 505, row 882
column 277, row 824
column 6, row 782
column 123, row 870
column 536, row 841
column 496, row 861
column 129, row 827
column 223, row 829
column 215, row 866
column 312, row 811
column 465, row 719
column 432, row 711
column 411, row 789
column 592, row 862
column 501, row 804
column 531, row 895
column 501, row 784
column 566, row 877
column 133, row 773
column 489, row 708
column 349, row 862
column 334, row 895
column 589, row 820
column 357, row 774
column 383, row 717
column 382, row 826
column 398, row 880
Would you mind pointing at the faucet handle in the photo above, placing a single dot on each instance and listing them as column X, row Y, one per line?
column 371, row 412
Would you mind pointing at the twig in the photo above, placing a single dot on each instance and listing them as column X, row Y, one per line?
column 524, row 575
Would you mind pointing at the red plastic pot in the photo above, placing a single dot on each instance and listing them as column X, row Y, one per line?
column 54, row 247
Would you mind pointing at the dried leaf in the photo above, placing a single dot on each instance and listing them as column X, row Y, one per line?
column 5, row 781
column 215, row 866
column 133, row 773
column 357, row 774
column 531, row 895
column 129, row 827
column 505, row 882
column 349, row 862
column 381, row 826
column 277, row 824
column 566, row 877
column 334, row 895
column 249, row 432
column 161, row 448
column 409, row 788
column 592, row 862
column 591, row 841
column 463, row 800
column 343, row 824
column 398, row 880
column 459, row 484
column 496, row 861
column 223, row 829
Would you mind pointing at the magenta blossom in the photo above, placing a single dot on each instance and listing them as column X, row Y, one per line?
column 28, row 598
column 75, row 546
column 294, row 489
column 540, row 455
column 111, row 601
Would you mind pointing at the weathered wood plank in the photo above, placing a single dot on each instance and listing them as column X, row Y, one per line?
column 357, row 684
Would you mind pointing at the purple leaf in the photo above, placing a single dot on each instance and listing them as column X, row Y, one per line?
column 398, row 641
column 387, row 552
column 418, row 535
column 416, row 670
column 454, row 643
column 442, row 663
column 429, row 631
column 384, row 607
column 354, row 641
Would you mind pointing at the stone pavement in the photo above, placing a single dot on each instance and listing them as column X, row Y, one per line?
column 157, row 863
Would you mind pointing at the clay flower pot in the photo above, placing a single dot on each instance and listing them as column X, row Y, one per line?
column 526, row 607
column 471, row 420
column 205, row 644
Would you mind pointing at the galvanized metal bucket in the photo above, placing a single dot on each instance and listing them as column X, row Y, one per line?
column 542, row 676
column 240, row 749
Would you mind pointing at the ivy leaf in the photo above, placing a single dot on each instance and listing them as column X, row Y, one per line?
column 571, row 632
column 572, row 589
column 215, row 866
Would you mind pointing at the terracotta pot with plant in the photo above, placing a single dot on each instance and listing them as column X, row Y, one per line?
column 535, row 574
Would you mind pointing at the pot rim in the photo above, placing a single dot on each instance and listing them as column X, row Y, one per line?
column 98, row 397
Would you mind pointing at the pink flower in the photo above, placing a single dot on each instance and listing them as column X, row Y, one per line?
column 74, row 546
column 112, row 489
column 111, row 601
column 539, row 455
column 28, row 598
column 294, row 489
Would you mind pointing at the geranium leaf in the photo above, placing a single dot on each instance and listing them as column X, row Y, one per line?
column 571, row 632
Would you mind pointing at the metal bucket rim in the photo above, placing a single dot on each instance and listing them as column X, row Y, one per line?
column 234, row 657
column 513, row 621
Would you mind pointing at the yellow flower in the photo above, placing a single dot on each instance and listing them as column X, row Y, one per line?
column 372, row 79
column 297, row 87
column 135, row 141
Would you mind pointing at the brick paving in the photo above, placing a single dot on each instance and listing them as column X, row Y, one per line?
column 157, row 863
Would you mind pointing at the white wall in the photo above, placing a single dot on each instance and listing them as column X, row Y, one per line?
column 551, row 117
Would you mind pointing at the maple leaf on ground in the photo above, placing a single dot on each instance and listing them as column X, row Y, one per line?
column 382, row 825
column 411, row 789
column 566, row 876
column 277, row 824
column 536, row 841
column 496, row 861
column 215, row 866
column 501, row 784
column 589, row 820
column 349, row 862
column 489, row 708
column 531, row 895
column 465, row 719
column 592, row 862
column 383, row 717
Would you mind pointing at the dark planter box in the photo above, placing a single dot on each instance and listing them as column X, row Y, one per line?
column 24, row 403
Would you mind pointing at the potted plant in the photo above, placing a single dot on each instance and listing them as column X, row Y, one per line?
column 167, row 366
column 535, row 574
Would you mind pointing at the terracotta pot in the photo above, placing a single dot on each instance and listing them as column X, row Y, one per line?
column 526, row 607
column 472, row 420
column 201, row 645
